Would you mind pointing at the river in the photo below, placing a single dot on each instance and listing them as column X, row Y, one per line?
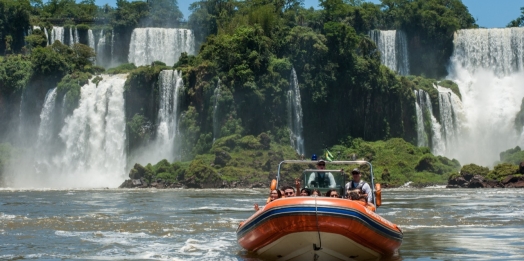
column 185, row 224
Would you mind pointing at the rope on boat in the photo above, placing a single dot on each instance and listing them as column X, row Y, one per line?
column 318, row 229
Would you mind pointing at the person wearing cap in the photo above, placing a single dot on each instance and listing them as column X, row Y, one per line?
column 358, row 183
column 321, row 179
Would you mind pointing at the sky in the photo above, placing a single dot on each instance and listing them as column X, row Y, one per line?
column 488, row 13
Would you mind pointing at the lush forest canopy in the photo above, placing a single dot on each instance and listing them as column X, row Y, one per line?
column 251, row 47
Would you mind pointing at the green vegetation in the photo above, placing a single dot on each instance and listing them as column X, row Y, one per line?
column 251, row 160
column 519, row 21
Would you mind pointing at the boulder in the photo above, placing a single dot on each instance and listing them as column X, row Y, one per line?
column 476, row 181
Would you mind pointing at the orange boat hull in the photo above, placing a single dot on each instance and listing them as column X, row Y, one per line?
column 319, row 228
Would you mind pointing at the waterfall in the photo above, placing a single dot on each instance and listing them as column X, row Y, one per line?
column 487, row 65
column 159, row 44
column 45, row 128
column 215, row 112
column 57, row 34
column 392, row 45
column 100, row 49
column 46, row 35
column 451, row 112
column 77, row 38
column 294, row 106
column 71, row 38
column 111, row 64
column 426, row 110
column 422, row 139
column 91, row 39
column 89, row 150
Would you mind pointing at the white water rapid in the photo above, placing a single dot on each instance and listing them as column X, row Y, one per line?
column 89, row 150
column 159, row 44
column 294, row 108
column 488, row 66
column 393, row 48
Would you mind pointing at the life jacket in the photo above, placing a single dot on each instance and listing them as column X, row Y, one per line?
column 322, row 179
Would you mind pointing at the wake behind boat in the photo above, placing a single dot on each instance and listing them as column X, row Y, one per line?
column 320, row 228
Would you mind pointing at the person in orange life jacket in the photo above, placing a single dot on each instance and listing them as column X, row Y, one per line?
column 359, row 184
column 321, row 179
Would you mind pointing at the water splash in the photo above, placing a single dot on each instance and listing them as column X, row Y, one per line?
column 487, row 65
column 394, row 49
column 294, row 108
column 159, row 44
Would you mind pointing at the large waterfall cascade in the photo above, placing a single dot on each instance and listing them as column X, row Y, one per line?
column 89, row 150
column 216, row 127
column 488, row 66
column 393, row 46
column 159, row 44
column 294, row 108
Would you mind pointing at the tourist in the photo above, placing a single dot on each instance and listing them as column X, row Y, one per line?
column 358, row 184
column 321, row 179
column 333, row 193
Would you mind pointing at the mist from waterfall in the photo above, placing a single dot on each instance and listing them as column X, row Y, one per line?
column 393, row 47
column 88, row 151
column 294, row 108
column 159, row 44
column 487, row 65
column 216, row 127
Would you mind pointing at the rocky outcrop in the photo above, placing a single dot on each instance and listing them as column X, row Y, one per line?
column 468, row 180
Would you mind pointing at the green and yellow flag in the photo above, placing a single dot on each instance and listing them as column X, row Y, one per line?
column 329, row 156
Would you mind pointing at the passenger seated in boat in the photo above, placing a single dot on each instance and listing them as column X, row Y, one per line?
column 358, row 184
column 363, row 198
column 321, row 179
column 333, row 193
column 289, row 191
column 316, row 192
column 305, row 192
column 273, row 194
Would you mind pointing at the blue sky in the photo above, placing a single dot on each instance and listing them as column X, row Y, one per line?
column 488, row 13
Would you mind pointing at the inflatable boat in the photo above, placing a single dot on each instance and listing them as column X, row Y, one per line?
column 320, row 228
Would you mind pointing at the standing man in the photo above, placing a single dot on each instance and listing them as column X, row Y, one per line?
column 321, row 179
column 358, row 183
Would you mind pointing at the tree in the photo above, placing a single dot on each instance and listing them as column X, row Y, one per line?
column 519, row 21
column 14, row 21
